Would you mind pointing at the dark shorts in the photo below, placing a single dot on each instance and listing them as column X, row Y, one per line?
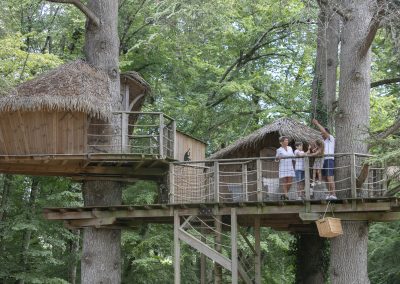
column 299, row 175
column 327, row 170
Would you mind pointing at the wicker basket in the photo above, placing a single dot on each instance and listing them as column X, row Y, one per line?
column 329, row 227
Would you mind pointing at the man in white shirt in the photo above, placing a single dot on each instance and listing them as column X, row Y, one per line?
column 329, row 159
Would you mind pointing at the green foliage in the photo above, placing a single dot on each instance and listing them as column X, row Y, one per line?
column 382, row 257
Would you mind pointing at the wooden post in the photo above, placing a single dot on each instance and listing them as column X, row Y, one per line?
column 244, row 182
column 171, row 183
column 124, row 132
column 161, row 138
column 218, row 248
column 203, row 263
column 257, row 246
column 353, row 175
column 216, row 182
column 259, row 181
column 177, row 249
column 234, row 253
column 174, row 150
column 307, row 177
column 384, row 178
column 353, row 180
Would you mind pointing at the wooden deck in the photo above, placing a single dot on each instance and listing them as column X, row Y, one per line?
column 291, row 216
column 129, row 166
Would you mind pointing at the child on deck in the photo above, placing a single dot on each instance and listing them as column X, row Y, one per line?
column 317, row 151
column 299, row 169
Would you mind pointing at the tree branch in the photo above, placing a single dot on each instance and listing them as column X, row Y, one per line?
column 84, row 9
column 385, row 82
column 372, row 30
column 390, row 130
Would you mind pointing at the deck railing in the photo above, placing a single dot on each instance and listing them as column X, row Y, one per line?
column 257, row 179
column 140, row 133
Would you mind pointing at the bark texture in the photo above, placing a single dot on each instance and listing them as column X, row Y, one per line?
column 326, row 63
column 101, row 248
column 349, row 251
column 310, row 264
column 349, row 254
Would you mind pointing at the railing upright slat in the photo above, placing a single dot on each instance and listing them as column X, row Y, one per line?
column 307, row 178
column 171, row 183
column 161, row 134
column 353, row 176
column 173, row 149
column 244, row 182
column 216, row 181
column 259, row 181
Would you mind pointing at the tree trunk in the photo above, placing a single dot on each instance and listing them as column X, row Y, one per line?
column 73, row 251
column 311, row 248
column 7, row 179
column 101, row 248
column 311, row 261
column 26, row 239
column 349, row 251
column 324, row 83
column 349, row 254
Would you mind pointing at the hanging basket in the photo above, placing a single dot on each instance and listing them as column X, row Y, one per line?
column 329, row 227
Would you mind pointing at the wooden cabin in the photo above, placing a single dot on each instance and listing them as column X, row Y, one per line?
column 62, row 119
column 189, row 148
column 261, row 143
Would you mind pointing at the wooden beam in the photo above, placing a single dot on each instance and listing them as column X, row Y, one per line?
column 350, row 216
column 94, row 222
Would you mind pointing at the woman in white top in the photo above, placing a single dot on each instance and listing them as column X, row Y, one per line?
column 286, row 171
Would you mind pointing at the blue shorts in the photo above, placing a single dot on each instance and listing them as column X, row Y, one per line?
column 299, row 175
column 327, row 170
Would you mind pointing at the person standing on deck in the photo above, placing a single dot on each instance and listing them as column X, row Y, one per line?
column 286, row 170
column 329, row 159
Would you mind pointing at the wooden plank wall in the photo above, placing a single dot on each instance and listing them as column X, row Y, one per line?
column 185, row 142
column 25, row 133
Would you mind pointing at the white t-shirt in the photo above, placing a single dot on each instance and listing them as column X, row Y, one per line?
column 285, row 165
column 299, row 161
column 329, row 144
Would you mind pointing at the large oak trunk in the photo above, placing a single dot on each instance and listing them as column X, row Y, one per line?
column 101, row 248
column 310, row 266
column 349, row 252
column 324, row 83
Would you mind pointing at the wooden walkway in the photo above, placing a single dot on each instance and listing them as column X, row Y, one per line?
column 294, row 216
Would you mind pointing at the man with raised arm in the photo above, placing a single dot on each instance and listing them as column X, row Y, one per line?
column 329, row 160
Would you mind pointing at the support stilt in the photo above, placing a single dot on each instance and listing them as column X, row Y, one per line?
column 203, row 264
column 257, row 260
column 218, row 239
column 234, row 269
column 177, row 249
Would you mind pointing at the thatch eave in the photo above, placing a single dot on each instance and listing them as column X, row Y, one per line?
column 75, row 87
column 284, row 126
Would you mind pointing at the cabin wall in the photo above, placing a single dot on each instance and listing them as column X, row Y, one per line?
column 184, row 143
column 26, row 133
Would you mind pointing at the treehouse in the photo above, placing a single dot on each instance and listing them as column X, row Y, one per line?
column 213, row 202
column 61, row 123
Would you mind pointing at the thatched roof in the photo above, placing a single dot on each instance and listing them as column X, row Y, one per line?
column 74, row 86
column 284, row 127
